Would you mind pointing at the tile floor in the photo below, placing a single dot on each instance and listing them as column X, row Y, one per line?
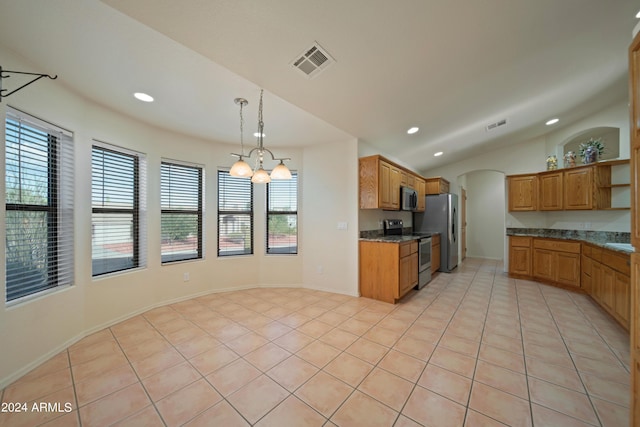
column 474, row 348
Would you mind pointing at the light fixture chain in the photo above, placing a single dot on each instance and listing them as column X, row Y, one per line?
column 241, row 129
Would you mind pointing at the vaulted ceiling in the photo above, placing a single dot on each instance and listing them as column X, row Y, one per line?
column 450, row 67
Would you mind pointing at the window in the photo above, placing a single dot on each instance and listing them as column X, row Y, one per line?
column 39, row 206
column 181, row 212
column 118, row 204
column 235, row 215
column 282, row 216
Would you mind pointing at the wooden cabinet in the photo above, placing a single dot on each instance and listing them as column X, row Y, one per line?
column 436, row 185
column 578, row 193
column 551, row 191
column 520, row 256
column 388, row 270
column 420, row 189
column 608, row 272
column 557, row 261
column 522, row 192
column 634, row 125
column 581, row 188
column 435, row 253
column 379, row 183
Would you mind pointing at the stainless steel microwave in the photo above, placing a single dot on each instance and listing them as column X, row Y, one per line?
column 408, row 199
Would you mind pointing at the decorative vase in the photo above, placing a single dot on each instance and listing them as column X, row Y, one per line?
column 552, row 163
column 570, row 159
column 590, row 155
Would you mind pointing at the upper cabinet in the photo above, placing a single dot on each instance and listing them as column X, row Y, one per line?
column 437, row 185
column 551, row 194
column 380, row 182
column 603, row 185
column 523, row 192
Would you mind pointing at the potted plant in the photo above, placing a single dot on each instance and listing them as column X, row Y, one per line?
column 591, row 150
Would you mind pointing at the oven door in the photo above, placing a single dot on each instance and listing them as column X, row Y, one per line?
column 424, row 262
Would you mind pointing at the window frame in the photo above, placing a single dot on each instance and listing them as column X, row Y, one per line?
column 135, row 211
column 221, row 212
column 199, row 212
column 273, row 251
column 59, row 239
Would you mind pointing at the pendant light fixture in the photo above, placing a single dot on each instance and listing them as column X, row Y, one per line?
column 241, row 169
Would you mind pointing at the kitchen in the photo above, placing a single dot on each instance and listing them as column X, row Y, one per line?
column 331, row 224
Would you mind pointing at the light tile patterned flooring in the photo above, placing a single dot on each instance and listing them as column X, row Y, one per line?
column 473, row 348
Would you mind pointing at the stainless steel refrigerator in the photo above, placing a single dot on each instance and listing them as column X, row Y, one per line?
column 441, row 216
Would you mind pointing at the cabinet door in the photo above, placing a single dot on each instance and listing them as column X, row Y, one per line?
column 385, row 186
column 568, row 268
column 578, row 188
column 585, row 279
column 607, row 280
column 435, row 258
column 406, row 275
column 551, row 194
column 520, row 260
column 596, row 281
column 544, row 264
column 622, row 296
column 420, row 189
column 522, row 193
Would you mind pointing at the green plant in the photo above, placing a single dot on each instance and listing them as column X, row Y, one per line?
column 596, row 143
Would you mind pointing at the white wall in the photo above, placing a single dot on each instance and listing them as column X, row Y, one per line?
column 485, row 216
column 330, row 197
column 32, row 331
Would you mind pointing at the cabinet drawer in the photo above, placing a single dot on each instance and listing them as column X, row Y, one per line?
column 618, row 262
column 521, row 241
column 556, row 245
column 408, row 248
column 586, row 250
column 596, row 253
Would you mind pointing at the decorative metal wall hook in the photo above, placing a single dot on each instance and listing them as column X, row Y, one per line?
column 5, row 74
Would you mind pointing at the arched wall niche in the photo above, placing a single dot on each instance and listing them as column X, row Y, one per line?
column 610, row 138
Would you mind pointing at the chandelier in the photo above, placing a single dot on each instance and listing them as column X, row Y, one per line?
column 241, row 169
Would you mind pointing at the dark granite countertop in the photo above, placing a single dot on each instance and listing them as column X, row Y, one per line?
column 604, row 239
column 378, row 236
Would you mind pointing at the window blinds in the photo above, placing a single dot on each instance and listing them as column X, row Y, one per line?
column 39, row 165
column 181, row 196
column 235, row 215
column 282, row 216
column 117, row 199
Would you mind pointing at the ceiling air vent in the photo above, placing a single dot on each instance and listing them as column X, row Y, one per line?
column 497, row 124
column 313, row 61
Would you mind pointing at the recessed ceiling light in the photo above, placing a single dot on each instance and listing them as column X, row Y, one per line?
column 256, row 134
column 143, row 97
column 439, row 153
column 552, row 122
column 413, row 130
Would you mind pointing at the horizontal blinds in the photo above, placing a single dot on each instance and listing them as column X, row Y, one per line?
column 235, row 215
column 116, row 196
column 181, row 212
column 39, row 165
column 282, row 216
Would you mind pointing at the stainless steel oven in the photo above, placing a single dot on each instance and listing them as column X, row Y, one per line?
column 424, row 261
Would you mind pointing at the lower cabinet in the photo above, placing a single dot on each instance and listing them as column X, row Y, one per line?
column 557, row 262
column 435, row 253
column 602, row 273
column 520, row 256
column 388, row 270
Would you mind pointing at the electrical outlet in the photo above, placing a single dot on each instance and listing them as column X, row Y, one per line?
column 319, row 269
column 342, row 225
column 587, row 226
column 185, row 277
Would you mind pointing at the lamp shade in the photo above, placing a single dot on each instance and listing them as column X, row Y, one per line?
column 260, row 176
column 281, row 171
column 241, row 169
